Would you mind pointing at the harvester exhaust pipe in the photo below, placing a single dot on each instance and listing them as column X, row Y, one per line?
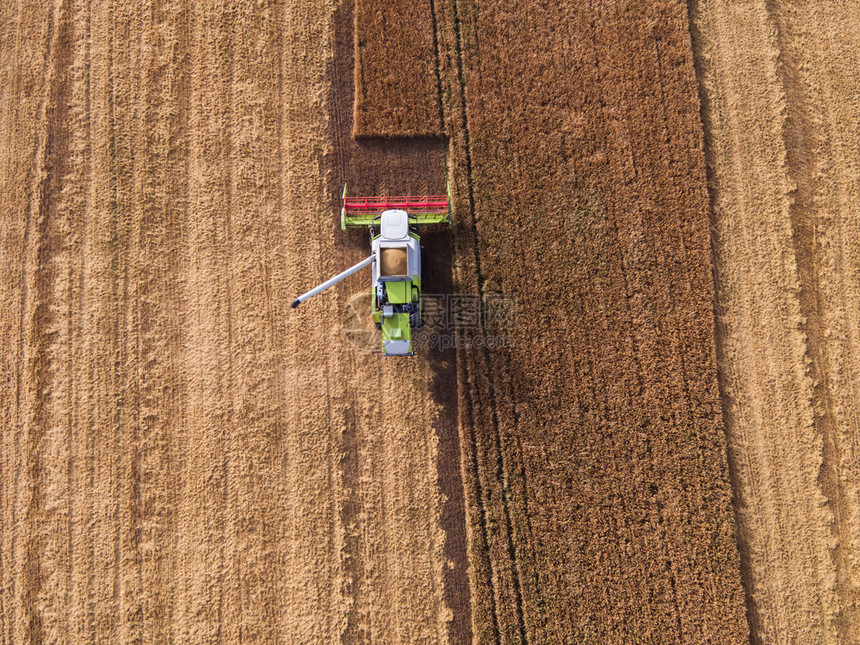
column 333, row 281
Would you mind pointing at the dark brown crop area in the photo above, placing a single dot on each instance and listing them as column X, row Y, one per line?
column 597, row 487
column 396, row 69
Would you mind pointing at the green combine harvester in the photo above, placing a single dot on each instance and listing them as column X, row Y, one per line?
column 395, row 260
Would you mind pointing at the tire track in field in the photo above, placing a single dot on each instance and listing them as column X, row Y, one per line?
column 8, row 311
column 147, row 347
column 64, row 496
column 103, row 384
column 90, row 78
column 160, row 142
column 203, row 514
column 814, row 215
column 126, row 97
column 27, row 40
column 39, row 567
column 76, row 200
column 230, row 601
column 784, row 195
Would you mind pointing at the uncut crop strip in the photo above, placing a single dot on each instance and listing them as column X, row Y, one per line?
column 778, row 85
column 594, row 455
column 396, row 69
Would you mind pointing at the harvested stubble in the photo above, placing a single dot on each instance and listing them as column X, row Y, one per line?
column 182, row 458
column 396, row 75
column 779, row 83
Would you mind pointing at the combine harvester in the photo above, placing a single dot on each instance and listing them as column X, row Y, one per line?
column 395, row 261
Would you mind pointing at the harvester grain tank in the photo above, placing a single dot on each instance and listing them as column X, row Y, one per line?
column 395, row 261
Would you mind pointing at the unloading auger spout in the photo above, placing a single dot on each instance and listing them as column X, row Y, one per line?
column 333, row 281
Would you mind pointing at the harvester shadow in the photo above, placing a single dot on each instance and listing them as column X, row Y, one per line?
column 438, row 279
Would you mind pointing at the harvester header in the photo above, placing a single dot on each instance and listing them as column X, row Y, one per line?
column 366, row 211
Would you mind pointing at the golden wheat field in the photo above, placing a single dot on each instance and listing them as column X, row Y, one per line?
column 660, row 444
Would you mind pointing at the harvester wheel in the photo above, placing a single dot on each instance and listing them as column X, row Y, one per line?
column 415, row 320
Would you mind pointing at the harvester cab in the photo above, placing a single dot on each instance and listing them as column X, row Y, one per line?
column 395, row 261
